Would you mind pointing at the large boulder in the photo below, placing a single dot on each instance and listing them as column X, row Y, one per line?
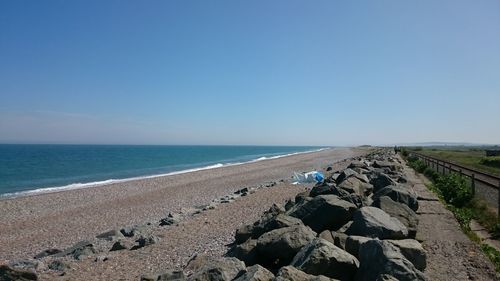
column 399, row 211
column 290, row 273
column 375, row 223
column 246, row 252
column 278, row 247
column 224, row 269
column 379, row 258
column 399, row 193
column 171, row 275
column 323, row 212
column 385, row 164
column 337, row 238
column 321, row 257
column 264, row 225
column 8, row 273
column 322, row 189
column 413, row 251
column 353, row 243
column 357, row 164
column 256, row 273
column 381, row 180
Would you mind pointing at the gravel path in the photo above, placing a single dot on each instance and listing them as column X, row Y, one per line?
column 34, row 223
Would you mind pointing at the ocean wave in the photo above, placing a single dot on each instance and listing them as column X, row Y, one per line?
column 74, row 186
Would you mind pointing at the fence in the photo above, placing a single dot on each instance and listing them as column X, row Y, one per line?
column 484, row 185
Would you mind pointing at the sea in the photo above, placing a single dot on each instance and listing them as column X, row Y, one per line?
column 32, row 169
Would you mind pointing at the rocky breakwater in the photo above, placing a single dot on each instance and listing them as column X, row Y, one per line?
column 359, row 224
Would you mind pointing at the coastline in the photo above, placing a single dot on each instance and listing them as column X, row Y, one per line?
column 74, row 186
column 54, row 220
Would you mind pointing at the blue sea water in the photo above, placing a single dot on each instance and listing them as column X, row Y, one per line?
column 37, row 168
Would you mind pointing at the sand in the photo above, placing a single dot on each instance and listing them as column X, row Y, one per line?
column 34, row 223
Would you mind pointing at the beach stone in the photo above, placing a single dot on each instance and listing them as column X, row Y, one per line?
column 171, row 275
column 10, row 273
column 256, row 273
column 246, row 252
column 144, row 241
column 278, row 247
column 399, row 193
column 353, row 242
column 131, row 231
column 78, row 250
column 413, row 251
column 110, row 235
column 399, row 211
column 321, row 257
column 323, row 212
column 375, row 223
column 121, row 245
column 170, row 219
column 58, row 265
column 46, row 253
column 380, row 181
column 379, row 257
column 218, row 270
column 290, row 273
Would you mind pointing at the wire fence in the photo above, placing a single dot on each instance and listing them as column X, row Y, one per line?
column 484, row 185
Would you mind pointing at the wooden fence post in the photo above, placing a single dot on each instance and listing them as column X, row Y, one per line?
column 473, row 184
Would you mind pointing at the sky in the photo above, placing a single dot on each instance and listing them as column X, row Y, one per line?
column 281, row 72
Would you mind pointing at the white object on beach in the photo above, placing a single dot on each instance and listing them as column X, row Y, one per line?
column 310, row 177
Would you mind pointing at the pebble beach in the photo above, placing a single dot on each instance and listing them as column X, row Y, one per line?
column 56, row 220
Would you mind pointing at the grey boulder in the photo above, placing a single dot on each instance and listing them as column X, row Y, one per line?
column 224, row 269
column 321, row 257
column 375, row 223
column 379, row 258
column 399, row 193
column 290, row 273
column 399, row 211
column 10, row 273
column 323, row 212
column 256, row 273
column 413, row 251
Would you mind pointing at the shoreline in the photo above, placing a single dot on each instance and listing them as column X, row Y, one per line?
column 75, row 186
column 59, row 219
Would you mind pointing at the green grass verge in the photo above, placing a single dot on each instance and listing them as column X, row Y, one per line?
column 472, row 158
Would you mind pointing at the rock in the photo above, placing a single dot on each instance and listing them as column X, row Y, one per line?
column 110, row 235
column 380, row 181
column 170, row 219
column 290, row 273
column 337, row 238
column 335, row 176
column 328, row 169
column 375, row 223
column 256, row 273
column 241, row 191
column 78, row 250
column 101, row 258
column 355, row 185
column 131, row 231
column 357, row 164
column 58, row 265
column 322, row 189
column 413, row 251
column 352, row 244
column 345, row 174
column 399, row 193
column 172, row 275
column 278, row 247
column 399, row 211
column 300, row 197
column 144, row 241
column 289, row 204
column 32, row 265
column 321, row 257
column 121, row 245
column 243, row 233
column 323, row 212
column 266, row 224
column 385, row 164
column 402, row 179
column 379, row 257
column 46, row 253
column 9, row 273
column 218, row 270
column 246, row 252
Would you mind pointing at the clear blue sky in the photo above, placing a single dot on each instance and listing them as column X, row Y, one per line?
column 249, row 72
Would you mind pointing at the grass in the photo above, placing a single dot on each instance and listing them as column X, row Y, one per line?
column 464, row 211
column 473, row 158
